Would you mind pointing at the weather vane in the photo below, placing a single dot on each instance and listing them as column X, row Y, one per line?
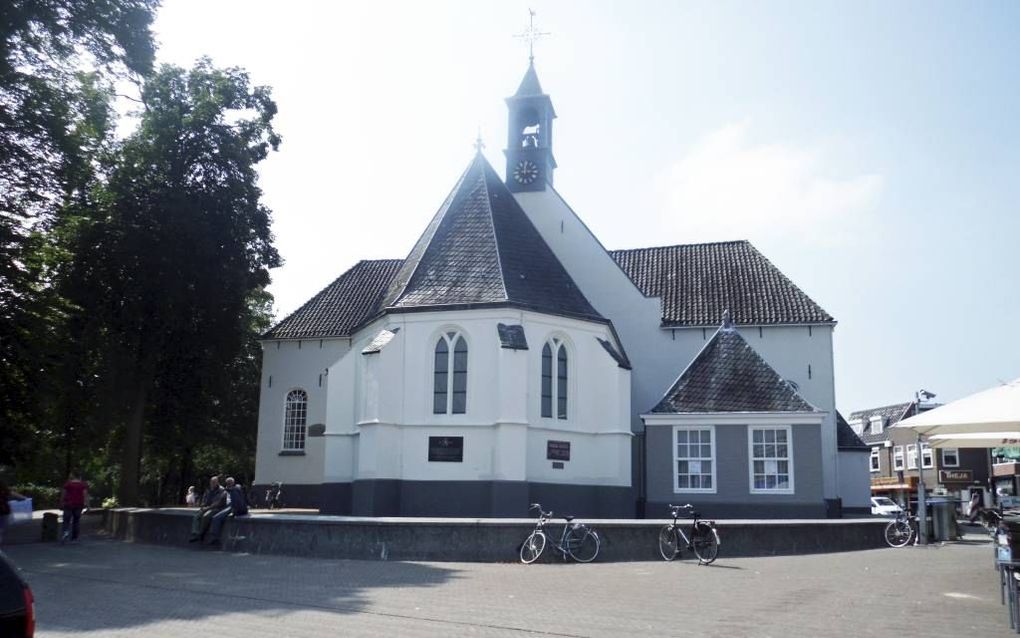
column 530, row 35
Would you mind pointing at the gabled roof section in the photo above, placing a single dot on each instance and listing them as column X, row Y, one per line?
column 342, row 306
column 846, row 438
column 481, row 249
column 729, row 376
column 698, row 282
column 891, row 414
column 530, row 85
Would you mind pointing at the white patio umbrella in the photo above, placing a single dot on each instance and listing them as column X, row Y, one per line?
column 975, row 439
column 989, row 411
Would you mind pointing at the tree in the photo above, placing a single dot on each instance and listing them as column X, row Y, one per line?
column 48, row 118
column 174, row 254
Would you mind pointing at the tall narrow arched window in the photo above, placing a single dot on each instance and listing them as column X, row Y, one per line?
column 295, row 420
column 449, row 375
column 554, row 367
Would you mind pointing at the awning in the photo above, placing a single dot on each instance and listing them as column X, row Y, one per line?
column 994, row 410
column 975, row 439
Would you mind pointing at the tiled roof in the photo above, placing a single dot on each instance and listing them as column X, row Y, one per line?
column 698, row 282
column 481, row 249
column 729, row 376
column 380, row 341
column 529, row 85
column 846, row 438
column 616, row 355
column 891, row 414
column 512, row 336
column 341, row 306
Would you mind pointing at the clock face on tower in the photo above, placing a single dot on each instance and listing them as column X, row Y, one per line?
column 525, row 172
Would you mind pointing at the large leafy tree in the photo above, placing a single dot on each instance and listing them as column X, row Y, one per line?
column 172, row 255
column 50, row 118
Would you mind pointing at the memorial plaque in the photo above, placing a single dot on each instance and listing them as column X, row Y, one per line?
column 446, row 449
column 557, row 450
column 557, row 465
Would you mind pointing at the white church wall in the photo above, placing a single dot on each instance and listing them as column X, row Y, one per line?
column 381, row 410
column 287, row 365
column 659, row 355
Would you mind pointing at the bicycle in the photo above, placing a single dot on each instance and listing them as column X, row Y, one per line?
column 274, row 496
column 703, row 539
column 578, row 541
column 900, row 530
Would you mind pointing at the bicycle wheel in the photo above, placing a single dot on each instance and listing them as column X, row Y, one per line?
column 669, row 542
column 705, row 544
column 532, row 547
column 583, row 544
column 898, row 533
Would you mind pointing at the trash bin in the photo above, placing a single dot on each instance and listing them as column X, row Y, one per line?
column 943, row 516
column 50, row 526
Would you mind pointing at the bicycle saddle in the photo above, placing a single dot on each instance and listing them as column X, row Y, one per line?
column 569, row 518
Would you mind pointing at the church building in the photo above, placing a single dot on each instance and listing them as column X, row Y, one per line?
column 511, row 358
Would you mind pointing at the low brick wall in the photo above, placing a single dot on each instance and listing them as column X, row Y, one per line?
column 487, row 540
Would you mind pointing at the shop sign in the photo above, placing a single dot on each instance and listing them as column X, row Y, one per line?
column 956, row 476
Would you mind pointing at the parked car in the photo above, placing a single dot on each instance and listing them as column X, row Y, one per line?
column 884, row 506
column 17, row 608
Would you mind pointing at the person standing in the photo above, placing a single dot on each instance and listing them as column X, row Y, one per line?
column 976, row 505
column 73, row 499
column 191, row 499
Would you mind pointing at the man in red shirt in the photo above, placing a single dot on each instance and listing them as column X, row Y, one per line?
column 73, row 499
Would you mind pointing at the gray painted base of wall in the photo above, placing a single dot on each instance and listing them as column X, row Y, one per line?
column 740, row 510
column 296, row 495
column 492, row 540
column 487, row 499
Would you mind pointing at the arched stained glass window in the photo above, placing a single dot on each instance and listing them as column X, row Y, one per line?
column 554, row 367
column 295, row 420
column 449, row 382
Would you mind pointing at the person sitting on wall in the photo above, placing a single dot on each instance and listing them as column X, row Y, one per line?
column 213, row 501
column 235, row 506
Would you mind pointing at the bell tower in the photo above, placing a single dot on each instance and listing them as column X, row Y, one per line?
column 529, row 157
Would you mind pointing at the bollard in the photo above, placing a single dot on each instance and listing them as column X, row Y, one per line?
column 50, row 526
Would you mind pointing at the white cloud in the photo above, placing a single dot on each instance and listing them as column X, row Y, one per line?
column 728, row 187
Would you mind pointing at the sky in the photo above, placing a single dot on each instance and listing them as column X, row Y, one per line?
column 871, row 150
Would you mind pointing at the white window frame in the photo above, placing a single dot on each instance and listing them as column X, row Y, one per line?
column 875, row 462
column 926, row 451
column 555, row 343
column 300, row 429
column 898, row 459
column 714, row 460
column 877, row 424
column 450, row 335
column 751, row 429
column 912, row 456
column 955, row 453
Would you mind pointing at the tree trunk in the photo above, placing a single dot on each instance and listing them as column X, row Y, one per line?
column 131, row 459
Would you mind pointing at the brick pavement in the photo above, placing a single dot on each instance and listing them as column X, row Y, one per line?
column 108, row 588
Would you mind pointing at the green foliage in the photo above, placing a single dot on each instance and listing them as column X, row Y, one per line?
column 43, row 497
column 110, row 502
column 132, row 272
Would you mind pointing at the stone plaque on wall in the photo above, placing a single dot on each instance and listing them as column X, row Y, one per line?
column 446, row 449
column 557, row 450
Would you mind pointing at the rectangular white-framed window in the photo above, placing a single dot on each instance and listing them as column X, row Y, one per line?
column 927, row 458
column 694, row 459
column 912, row 457
column 950, row 457
column 876, row 464
column 897, row 458
column 770, row 454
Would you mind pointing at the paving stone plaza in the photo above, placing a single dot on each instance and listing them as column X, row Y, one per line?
column 109, row 588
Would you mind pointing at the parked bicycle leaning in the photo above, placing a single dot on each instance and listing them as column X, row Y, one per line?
column 701, row 537
column 900, row 530
column 577, row 540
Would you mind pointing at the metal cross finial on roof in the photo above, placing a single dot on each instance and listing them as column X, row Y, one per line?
column 530, row 35
column 479, row 144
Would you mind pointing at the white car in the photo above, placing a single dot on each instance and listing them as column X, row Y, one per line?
column 884, row 506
